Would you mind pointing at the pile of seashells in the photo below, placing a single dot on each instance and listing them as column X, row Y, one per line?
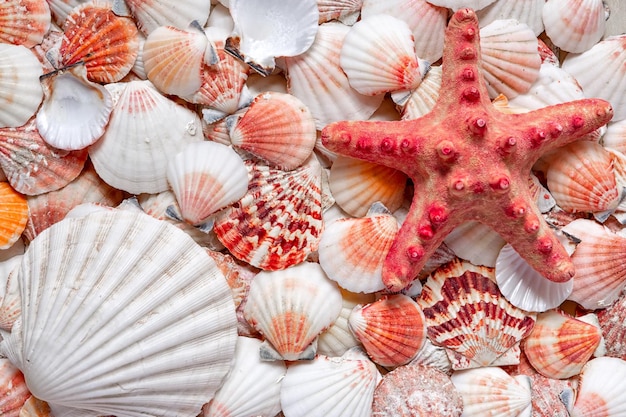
column 176, row 241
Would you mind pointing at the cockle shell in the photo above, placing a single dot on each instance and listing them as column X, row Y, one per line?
column 601, row 389
column 290, row 308
column 574, row 25
column 121, row 314
column 529, row 12
column 346, row 11
column 13, row 215
column 153, row 14
column 24, row 22
column 13, row 389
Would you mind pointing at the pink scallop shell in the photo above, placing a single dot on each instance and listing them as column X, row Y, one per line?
column 24, row 22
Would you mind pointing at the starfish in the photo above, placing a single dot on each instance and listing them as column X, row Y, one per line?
column 468, row 161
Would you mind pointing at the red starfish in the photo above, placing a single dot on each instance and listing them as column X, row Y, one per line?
column 468, row 161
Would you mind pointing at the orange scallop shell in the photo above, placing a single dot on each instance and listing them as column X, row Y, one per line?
column 24, row 22
column 13, row 215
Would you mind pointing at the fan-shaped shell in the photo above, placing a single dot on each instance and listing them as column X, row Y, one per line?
column 574, row 25
column 291, row 307
column 206, row 177
column 24, row 22
column 277, row 128
column 121, row 314
column 20, row 90
column 153, row 14
column 346, row 11
column 422, row 99
column 13, row 215
column 13, row 389
column 524, row 11
column 279, row 220
column 601, row 392
column 466, row 313
column 476, row 243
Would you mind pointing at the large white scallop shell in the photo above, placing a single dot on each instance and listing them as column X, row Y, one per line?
column 601, row 389
column 525, row 11
column 574, row 25
column 476, row 243
column 121, row 314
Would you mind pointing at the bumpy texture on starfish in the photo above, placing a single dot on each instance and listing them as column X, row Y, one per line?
column 468, row 161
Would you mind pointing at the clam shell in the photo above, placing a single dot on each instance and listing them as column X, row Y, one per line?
column 601, row 389
column 529, row 12
column 330, row 387
column 290, row 308
column 13, row 215
column 206, row 177
column 277, row 128
column 20, row 90
column 150, row 15
column 466, row 313
column 24, row 22
column 279, row 220
column 476, row 243
column 141, row 320
column 346, row 11
column 615, row 136
column 13, row 389
column 422, row 99
column 574, row 25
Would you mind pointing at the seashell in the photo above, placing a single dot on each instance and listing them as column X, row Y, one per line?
column 490, row 391
column 422, row 99
column 510, row 58
column 131, row 338
column 288, row 29
column 574, row 25
column 416, row 390
column 352, row 251
column 346, row 11
column 34, row 407
column 559, row 345
column 24, row 22
column 60, row 9
column 105, row 43
column 457, row 4
column 316, row 78
column 10, row 299
column 602, row 81
column 153, row 14
column 75, row 111
column 615, row 136
column 144, row 130
column 206, row 177
column 290, row 308
column 216, row 131
column 601, row 388
column 475, row 243
column 392, row 329
column 466, row 313
column 528, row 12
column 252, row 386
column 378, row 56
column 613, row 324
column 547, row 55
column 544, row 200
column 31, row 165
column 356, row 185
column 330, row 387
column 20, row 90
column 13, row 389
column 13, row 215
column 433, row 356
column 173, row 59
column 277, row 128
column 279, row 221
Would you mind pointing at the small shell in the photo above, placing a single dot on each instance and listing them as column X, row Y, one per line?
column 559, row 345
column 574, row 25
column 24, row 22
column 152, row 14
column 601, row 389
column 346, row 11
column 290, row 308
column 392, row 329
column 13, row 215
column 423, row 98
column 277, row 128
column 476, row 243
column 491, row 392
column 13, row 389
column 525, row 11
column 615, row 136
column 34, row 407
column 206, row 177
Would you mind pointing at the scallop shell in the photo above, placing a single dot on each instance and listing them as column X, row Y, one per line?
column 290, row 308
column 13, row 389
column 613, row 324
column 107, row 44
column 145, row 129
column 252, row 386
column 206, row 177
column 60, row 9
column 34, row 407
column 615, row 136
column 152, row 14
column 330, row 387
column 24, row 22
column 524, row 11
column 31, row 165
column 574, row 25
column 457, row 4
column 559, row 345
column 316, row 78
column 466, row 313
column 11, row 302
column 141, row 336
column 75, row 111
column 356, row 185
column 392, row 329
column 510, row 58
column 277, row 128
column 433, row 356
column 13, row 215
column 491, row 392
column 422, row 99
column 20, row 90
column 346, row 11
column 279, row 221
column 476, row 243
column 601, row 389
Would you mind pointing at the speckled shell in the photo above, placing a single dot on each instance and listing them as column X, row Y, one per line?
column 277, row 128
column 290, row 308
column 422, row 99
column 613, row 324
column 486, row 326
column 574, row 25
column 525, row 11
column 13, row 389
column 24, row 22
column 601, row 389
column 559, row 345
column 279, row 220
column 13, row 215
column 346, row 11
column 476, row 243
column 152, row 14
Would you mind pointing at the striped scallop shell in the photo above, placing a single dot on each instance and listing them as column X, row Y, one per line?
column 277, row 128
column 290, row 308
column 423, row 98
column 13, row 215
column 24, row 22
column 615, row 136
column 601, row 389
column 457, row 4
column 252, row 386
column 466, row 313
column 13, row 389
column 152, row 14
column 475, row 242
column 278, row 223
column 346, row 11
column 574, row 25
column 139, row 322
column 491, row 392
column 524, row 11
column 392, row 329
column 20, row 90
column 145, row 129
column 559, row 345
column 356, row 185
column 510, row 58
column 378, row 56
column 330, row 387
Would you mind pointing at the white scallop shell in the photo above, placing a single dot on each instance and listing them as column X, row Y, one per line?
column 121, row 314
column 152, row 14
column 346, row 11
column 476, row 243
column 423, row 98
column 524, row 11
column 615, row 136
column 601, row 389
column 574, row 25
